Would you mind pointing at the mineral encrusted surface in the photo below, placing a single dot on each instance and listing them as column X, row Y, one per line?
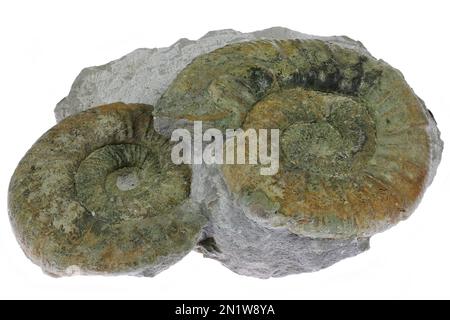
column 98, row 194
column 358, row 149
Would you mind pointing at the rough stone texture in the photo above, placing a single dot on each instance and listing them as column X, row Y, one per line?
column 249, row 248
column 143, row 75
column 358, row 149
column 245, row 238
column 98, row 194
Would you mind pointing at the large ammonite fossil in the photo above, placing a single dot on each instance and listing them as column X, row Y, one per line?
column 357, row 149
column 98, row 194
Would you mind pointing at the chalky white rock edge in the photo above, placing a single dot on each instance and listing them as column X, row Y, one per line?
column 240, row 243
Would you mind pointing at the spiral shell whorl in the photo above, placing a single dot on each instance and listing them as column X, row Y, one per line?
column 355, row 148
column 73, row 208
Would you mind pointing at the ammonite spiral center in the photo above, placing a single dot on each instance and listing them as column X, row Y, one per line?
column 321, row 134
column 126, row 178
column 307, row 145
column 120, row 179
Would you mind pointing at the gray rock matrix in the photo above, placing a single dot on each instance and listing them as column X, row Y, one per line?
column 143, row 75
column 232, row 237
column 249, row 248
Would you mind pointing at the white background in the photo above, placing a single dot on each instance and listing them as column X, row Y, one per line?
column 45, row 44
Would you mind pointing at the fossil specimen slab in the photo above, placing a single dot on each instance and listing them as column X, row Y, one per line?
column 98, row 194
column 337, row 184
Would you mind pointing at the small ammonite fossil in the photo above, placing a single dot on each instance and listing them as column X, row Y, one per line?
column 98, row 194
column 357, row 146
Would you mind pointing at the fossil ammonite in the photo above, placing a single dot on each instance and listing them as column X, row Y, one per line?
column 357, row 146
column 98, row 194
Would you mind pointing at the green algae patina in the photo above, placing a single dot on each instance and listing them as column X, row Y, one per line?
column 98, row 194
column 354, row 139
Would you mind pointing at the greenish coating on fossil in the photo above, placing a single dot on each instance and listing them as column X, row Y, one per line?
column 98, row 194
column 221, row 87
column 357, row 146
